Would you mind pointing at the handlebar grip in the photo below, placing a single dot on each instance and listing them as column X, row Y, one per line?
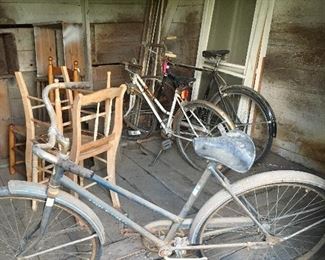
column 76, row 85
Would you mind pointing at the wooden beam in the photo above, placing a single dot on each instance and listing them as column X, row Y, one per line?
column 203, row 43
column 259, row 36
column 168, row 16
column 86, row 38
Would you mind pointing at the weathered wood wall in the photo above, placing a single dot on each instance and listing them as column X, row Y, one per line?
column 185, row 25
column 294, row 80
column 116, row 34
column 11, row 105
column 116, row 30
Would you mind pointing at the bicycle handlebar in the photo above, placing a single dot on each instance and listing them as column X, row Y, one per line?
column 54, row 133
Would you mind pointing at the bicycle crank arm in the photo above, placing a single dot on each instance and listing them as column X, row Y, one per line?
column 201, row 247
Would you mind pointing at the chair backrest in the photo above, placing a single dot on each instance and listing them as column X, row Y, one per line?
column 102, row 112
column 56, row 71
column 28, row 107
column 32, row 106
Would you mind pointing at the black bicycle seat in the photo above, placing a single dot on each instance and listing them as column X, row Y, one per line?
column 184, row 81
column 214, row 53
column 234, row 149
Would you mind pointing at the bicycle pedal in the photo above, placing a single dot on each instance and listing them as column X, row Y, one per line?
column 166, row 144
column 134, row 132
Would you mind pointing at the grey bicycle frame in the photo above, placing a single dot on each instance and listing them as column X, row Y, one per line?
column 63, row 164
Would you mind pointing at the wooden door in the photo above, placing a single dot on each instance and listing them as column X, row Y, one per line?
column 45, row 46
column 73, row 45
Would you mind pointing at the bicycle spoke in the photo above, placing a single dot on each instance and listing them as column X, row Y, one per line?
column 293, row 214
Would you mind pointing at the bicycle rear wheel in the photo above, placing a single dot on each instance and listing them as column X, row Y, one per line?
column 198, row 118
column 251, row 114
column 69, row 236
column 290, row 205
column 140, row 121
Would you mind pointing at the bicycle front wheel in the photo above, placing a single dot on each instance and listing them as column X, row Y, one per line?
column 68, row 236
column 198, row 118
column 251, row 114
column 290, row 205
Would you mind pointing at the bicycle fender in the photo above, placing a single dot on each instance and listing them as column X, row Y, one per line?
column 23, row 188
column 267, row 107
column 265, row 104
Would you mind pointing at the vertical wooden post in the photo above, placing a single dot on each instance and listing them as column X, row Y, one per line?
column 87, row 40
column 12, row 153
column 50, row 77
column 76, row 74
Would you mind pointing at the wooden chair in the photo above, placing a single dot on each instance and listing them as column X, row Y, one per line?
column 16, row 148
column 35, row 129
column 61, row 105
column 36, row 125
column 106, row 133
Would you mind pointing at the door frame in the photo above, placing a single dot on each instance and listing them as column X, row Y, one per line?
column 258, row 41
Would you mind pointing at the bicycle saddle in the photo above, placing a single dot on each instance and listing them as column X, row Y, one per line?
column 234, row 149
column 184, row 81
column 214, row 53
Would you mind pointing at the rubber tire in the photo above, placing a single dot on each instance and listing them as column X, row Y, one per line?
column 247, row 184
column 4, row 193
column 265, row 108
column 178, row 119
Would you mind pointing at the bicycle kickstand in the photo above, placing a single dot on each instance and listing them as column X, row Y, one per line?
column 165, row 145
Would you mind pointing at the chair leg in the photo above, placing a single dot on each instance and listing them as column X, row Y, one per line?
column 111, row 156
column 81, row 179
column 28, row 160
column 34, row 177
column 12, row 152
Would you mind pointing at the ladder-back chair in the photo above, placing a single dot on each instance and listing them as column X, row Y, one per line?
column 107, row 123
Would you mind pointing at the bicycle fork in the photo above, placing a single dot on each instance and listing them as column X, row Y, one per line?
column 42, row 227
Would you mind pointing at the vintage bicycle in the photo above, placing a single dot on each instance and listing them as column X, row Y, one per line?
column 247, row 108
column 271, row 215
column 183, row 120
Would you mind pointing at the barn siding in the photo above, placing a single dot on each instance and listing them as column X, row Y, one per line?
column 294, row 80
column 185, row 25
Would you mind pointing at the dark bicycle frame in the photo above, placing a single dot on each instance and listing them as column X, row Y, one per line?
column 220, row 83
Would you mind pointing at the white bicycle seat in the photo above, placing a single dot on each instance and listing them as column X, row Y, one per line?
column 234, row 149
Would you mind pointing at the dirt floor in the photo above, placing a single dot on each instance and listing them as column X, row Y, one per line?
column 166, row 183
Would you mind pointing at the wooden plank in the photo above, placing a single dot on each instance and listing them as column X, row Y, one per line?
column 45, row 46
column 168, row 17
column 203, row 43
column 116, row 42
column 5, row 117
column 118, row 75
column 3, row 60
column 73, row 45
column 174, row 168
